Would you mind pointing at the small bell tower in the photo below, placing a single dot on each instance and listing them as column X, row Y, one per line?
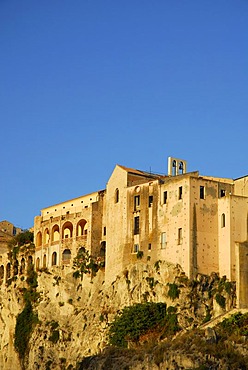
column 176, row 166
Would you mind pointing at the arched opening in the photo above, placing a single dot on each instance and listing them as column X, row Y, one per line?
column 22, row 267
column 30, row 260
column 66, row 256
column 54, row 259
column 7, row 271
column 38, row 239
column 80, row 227
column 46, row 236
column 44, row 261
column 81, row 250
column 55, row 233
column 117, row 195
column 1, row 274
column 37, row 263
column 15, row 268
column 67, row 230
column 223, row 220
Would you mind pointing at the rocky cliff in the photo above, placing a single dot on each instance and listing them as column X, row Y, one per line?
column 73, row 315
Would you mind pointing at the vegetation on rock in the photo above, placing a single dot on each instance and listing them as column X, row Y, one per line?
column 139, row 319
column 27, row 319
column 84, row 263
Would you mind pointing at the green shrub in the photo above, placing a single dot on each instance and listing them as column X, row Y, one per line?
column 24, row 326
column 140, row 255
column 134, row 321
column 32, row 277
column 54, row 337
column 220, row 300
column 173, row 291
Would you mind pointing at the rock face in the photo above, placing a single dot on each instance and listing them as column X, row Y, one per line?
column 74, row 314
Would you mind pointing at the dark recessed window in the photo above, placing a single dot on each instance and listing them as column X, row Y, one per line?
column 135, row 248
column 136, row 225
column 180, row 192
column 116, row 195
column 136, row 202
column 150, row 200
column 165, row 197
column 202, row 192
column 222, row 193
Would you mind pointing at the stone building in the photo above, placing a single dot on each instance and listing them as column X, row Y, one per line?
column 7, row 231
column 198, row 222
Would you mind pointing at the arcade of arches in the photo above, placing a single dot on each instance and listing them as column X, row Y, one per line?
column 66, row 231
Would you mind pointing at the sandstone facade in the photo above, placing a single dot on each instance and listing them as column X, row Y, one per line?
column 198, row 222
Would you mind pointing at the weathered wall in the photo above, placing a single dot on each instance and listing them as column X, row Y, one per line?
column 82, row 310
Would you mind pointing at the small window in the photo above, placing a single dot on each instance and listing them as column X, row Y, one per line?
column 104, row 230
column 68, row 212
column 116, row 195
column 136, row 202
column 136, row 225
column 135, row 248
column 202, row 192
column 149, row 247
column 165, row 197
column 222, row 193
column 163, row 240
column 180, row 235
column 180, row 192
column 150, row 200
column 223, row 220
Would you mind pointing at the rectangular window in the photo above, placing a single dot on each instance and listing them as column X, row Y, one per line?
column 180, row 192
column 202, row 192
column 150, row 200
column 104, row 230
column 149, row 247
column 222, row 193
column 163, row 240
column 135, row 248
column 136, row 225
column 180, row 235
column 165, row 197
column 136, row 202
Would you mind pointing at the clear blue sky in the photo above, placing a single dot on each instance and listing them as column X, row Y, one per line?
column 87, row 84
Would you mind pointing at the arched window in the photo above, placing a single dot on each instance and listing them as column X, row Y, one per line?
column 8, row 271
column 81, row 250
column 15, row 268
column 44, row 261
column 46, row 236
column 66, row 255
column 67, row 230
column 1, row 274
column 22, row 268
column 116, row 195
column 38, row 239
column 54, row 259
column 55, row 233
column 81, row 227
column 223, row 220
column 30, row 260
column 37, row 264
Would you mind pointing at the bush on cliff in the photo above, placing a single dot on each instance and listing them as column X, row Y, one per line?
column 139, row 319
